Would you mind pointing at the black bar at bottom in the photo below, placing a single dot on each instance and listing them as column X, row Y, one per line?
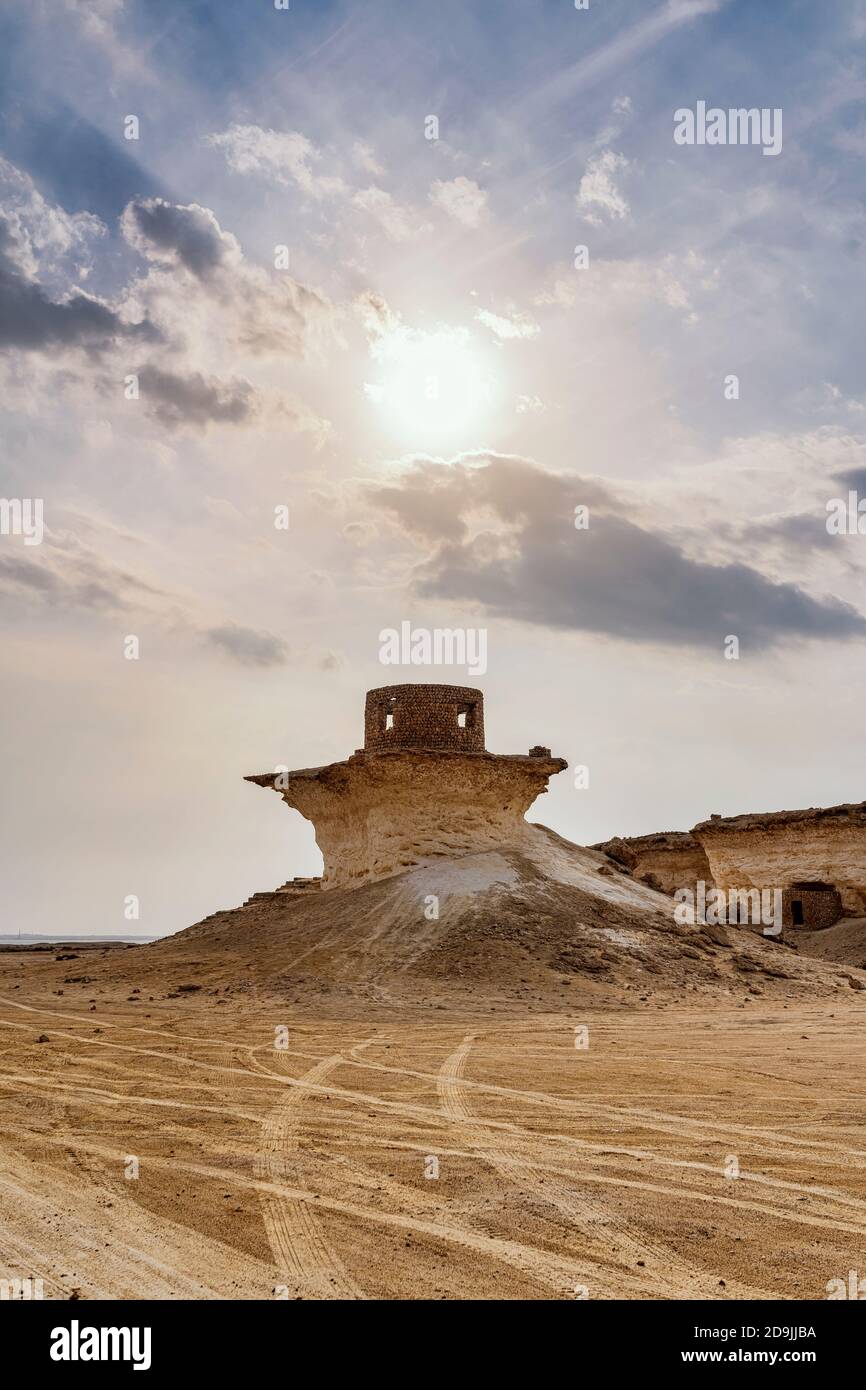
column 78, row 1338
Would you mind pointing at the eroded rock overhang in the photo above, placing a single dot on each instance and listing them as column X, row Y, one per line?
column 379, row 814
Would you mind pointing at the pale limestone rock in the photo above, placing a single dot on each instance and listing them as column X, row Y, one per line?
column 422, row 788
column 785, row 847
column 379, row 814
column 667, row 860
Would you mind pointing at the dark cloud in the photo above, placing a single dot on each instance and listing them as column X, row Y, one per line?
column 248, row 647
column 436, row 500
column 196, row 400
column 262, row 313
column 17, row 569
column 503, row 536
column 852, row 478
column 30, row 320
column 799, row 532
column 189, row 233
column 64, row 574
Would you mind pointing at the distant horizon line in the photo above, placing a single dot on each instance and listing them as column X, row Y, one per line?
column 75, row 936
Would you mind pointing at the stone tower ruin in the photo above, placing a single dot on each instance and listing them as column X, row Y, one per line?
column 422, row 787
column 424, row 716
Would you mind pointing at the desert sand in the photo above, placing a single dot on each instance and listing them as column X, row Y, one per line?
column 350, row 1106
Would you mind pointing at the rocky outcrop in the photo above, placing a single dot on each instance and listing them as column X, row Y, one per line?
column 667, row 860
column 380, row 814
column 823, row 846
column 817, row 857
column 423, row 787
column 547, row 926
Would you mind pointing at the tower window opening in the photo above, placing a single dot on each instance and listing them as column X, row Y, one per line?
column 466, row 716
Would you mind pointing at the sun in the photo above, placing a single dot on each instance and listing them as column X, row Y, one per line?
column 432, row 388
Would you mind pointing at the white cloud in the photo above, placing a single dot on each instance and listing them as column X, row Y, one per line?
column 285, row 156
column 461, row 198
column 366, row 159
column 399, row 223
column 677, row 10
column 517, row 326
column 598, row 188
column 288, row 157
column 44, row 230
column 99, row 22
column 630, row 284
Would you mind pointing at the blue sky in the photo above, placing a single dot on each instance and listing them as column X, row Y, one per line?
column 411, row 258
column 525, row 96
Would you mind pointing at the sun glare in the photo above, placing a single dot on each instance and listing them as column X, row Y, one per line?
column 432, row 387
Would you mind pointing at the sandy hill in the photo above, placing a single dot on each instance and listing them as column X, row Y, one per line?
column 543, row 924
column 844, row 942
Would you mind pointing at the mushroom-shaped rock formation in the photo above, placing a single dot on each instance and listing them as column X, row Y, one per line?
column 422, row 787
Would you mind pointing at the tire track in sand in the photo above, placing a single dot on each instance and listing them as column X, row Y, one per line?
column 672, row 1277
column 301, row 1249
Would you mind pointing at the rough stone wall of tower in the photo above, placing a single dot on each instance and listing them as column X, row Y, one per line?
column 424, row 716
